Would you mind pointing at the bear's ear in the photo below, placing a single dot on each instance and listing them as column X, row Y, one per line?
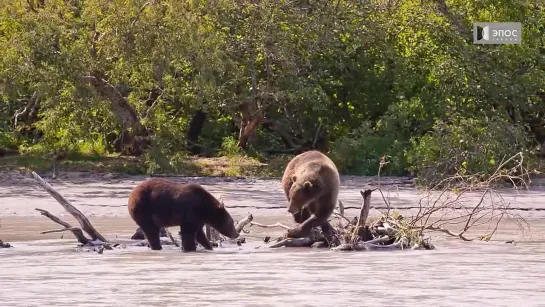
column 307, row 185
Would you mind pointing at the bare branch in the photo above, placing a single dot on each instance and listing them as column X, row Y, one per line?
column 139, row 13
column 77, row 232
column 450, row 233
column 270, row 226
column 247, row 220
column 172, row 238
column 83, row 221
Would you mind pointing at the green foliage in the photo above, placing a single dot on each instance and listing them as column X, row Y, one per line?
column 361, row 151
column 368, row 79
column 229, row 147
column 7, row 140
column 464, row 146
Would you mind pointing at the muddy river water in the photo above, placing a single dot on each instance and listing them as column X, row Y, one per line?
column 46, row 270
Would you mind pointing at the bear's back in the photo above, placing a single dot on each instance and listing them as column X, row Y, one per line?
column 312, row 163
column 160, row 194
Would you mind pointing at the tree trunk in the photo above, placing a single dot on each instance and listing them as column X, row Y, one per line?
column 285, row 137
column 195, row 128
column 247, row 129
column 124, row 112
column 132, row 140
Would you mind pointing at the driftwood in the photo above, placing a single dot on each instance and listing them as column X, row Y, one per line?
column 242, row 223
column 358, row 236
column 270, row 225
column 216, row 239
column 77, row 232
column 139, row 234
column 4, row 245
column 172, row 238
column 82, row 219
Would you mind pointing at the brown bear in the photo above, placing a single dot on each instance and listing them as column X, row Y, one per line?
column 311, row 182
column 158, row 203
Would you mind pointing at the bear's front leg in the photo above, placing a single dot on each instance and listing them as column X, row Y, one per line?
column 203, row 240
column 304, row 229
column 151, row 232
column 188, row 236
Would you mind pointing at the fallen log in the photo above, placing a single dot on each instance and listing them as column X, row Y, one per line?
column 82, row 219
column 77, row 232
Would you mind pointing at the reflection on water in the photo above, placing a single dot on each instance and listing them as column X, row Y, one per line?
column 51, row 273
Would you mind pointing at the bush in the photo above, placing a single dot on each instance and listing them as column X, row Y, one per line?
column 360, row 152
column 7, row 140
column 464, row 146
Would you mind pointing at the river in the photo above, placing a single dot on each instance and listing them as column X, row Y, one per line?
column 45, row 270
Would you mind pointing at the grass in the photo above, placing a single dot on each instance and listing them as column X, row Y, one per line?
column 229, row 166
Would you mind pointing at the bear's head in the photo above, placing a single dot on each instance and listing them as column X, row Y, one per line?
column 223, row 222
column 301, row 194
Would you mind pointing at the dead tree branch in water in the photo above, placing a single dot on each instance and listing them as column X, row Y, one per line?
column 448, row 205
column 247, row 220
column 82, row 219
column 439, row 210
column 77, row 232
column 383, row 234
column 4, row 245
column 280, row 225
column 172, row 238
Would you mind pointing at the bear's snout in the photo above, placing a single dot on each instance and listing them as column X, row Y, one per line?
column 292, row 208
column 234, row 235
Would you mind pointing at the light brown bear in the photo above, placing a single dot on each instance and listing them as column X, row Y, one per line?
column 311, row 182
column 158, row 203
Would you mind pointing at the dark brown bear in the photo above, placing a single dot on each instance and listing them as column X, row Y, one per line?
column 158, row 203
column 311, row 183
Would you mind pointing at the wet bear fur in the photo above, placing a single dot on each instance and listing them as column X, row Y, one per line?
column 158, row 203
column 311, row 183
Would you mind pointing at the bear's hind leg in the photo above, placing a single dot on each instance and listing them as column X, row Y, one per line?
column 203, row 240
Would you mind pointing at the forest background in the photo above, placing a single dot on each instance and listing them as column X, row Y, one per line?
column 238, row 87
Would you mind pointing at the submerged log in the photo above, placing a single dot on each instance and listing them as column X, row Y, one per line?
column 139, row 234
column 4, row 245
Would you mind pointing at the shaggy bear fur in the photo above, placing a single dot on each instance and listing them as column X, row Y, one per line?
column 311, row 182
column 158, row 203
